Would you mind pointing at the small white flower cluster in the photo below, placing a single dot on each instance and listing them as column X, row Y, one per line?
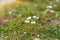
column 32, row 22
column 27, row 20
column 48, row 9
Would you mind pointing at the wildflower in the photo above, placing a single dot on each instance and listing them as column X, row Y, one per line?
column 51, row 11
column 35, row 17
column 24, row 32
column 29, row 18
column 49, row 6
column 27, row 21
column 33, row 22
column 38, row 35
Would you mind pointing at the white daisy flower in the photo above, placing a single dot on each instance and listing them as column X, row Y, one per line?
column 34, row 17
column 29, row 18
column 49, row 6
column 38, row 35
column 24, row 32
column 37, row 18
column 27, row 21
column 52, row 11
column 33, row 22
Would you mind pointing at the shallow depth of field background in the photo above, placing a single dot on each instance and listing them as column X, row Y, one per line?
column 30, row 20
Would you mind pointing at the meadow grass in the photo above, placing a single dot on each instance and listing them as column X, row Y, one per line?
column 33, row 21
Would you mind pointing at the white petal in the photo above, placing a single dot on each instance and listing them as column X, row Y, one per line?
column 24, row 32
column 29, row 18
column 34, row 17
column 26, row 21
column 52, row 11
column 38, row 35
column 33, row 22
column 49, row 6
